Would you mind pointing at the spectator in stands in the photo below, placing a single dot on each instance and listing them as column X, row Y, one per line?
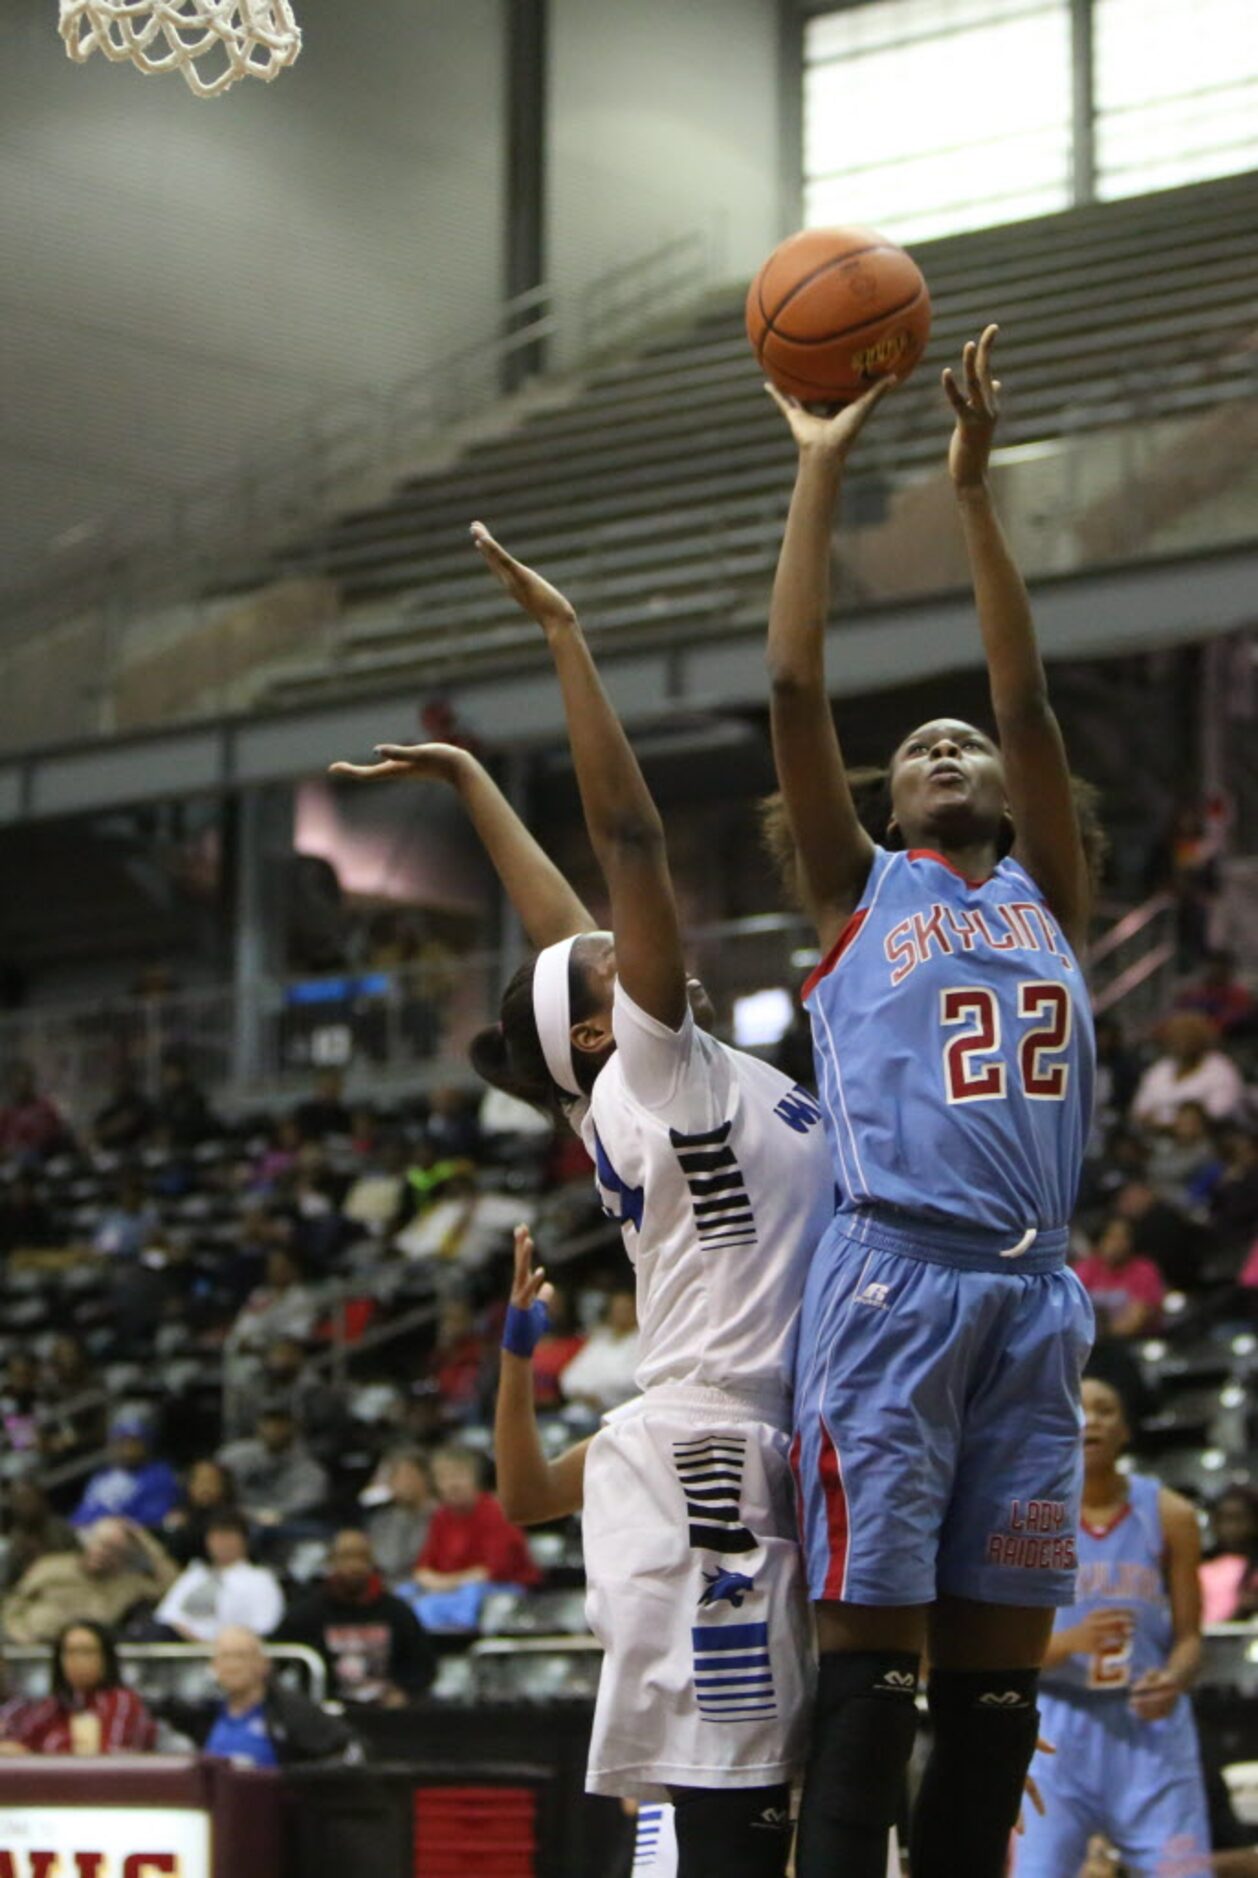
column 126, row 1120
column 68, row 1369
column 118, row 1567
column 210, row 1595
column 459, row 1360
column 279, row 1159
column 1161, row 1232
column 1221, row 996
column 185, row 1113
column 1117, row 1074
column 462, row 1222
column 19, row 1403
column 398, row 1529
column 126, row 1228
column 31, row 1530
column 1192, row 1069
column 209, row 1489
column 452, row 1125
column 472, row 1549
column 285, row 1306
column 31, row 1127
column 259, row 1720
column 26, row 1220
column 318, row 1230
column 1184, row 1162
column 286, row 1376
column 1234, row 1202
column 1229, row 1577
column 376, row 1199
column 71, row 1425
column 560, row 1345
column 1126, row 1290
column 133, row 1486
column 324, row 1113
column 602, row 1374
column 371, row 1641
column 277, row 1478
column 90, row 1711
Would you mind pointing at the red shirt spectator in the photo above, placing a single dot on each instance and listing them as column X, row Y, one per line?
column 112, row 1721
column 1126, row 1289
column 470, row 1536
column 29, row 1122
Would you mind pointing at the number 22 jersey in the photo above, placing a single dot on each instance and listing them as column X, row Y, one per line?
column 955, row 1052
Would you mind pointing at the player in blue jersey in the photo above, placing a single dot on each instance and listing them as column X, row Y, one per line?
column 942, row 1338
column 1113, row 1699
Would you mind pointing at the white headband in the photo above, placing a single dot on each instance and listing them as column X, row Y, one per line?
column 552, row 1009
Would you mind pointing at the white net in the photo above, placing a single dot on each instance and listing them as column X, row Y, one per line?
column 212, row 42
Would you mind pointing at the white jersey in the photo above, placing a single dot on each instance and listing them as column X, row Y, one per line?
column 717, row 1169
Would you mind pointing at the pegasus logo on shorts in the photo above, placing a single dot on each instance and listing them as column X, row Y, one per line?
column 875, row 1294
column 726, row 1587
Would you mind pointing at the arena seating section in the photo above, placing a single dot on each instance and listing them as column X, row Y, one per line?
column 654, row 494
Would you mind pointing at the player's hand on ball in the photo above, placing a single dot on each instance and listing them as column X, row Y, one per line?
column 528, row 1283
column 1154, row 1695
column 528, row 589
column 830, row 435
column 977, row 408
column 423, row 762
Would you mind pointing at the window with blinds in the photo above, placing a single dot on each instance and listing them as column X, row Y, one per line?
column 1176, row 92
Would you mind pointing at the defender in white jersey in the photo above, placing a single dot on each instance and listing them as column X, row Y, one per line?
column 716, row 1168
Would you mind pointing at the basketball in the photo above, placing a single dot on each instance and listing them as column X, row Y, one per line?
column 833, row 309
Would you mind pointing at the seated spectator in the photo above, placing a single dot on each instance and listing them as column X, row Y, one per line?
column 377, row 1196
column 26, row 1219
column 31, row 1529
column 68, row 1369
column 472, row 1549
column 126, row 1120
column 452, row 1125
column 461, row 1221
column 372, row 1643
column 31, row 1127
column 277, row 1477
column 1126, row 1290
column 1229, row 1576
column 1192, row 1069
column 601, row 1375
column 209, row 1596
column 1184, row 1163
column 285, row 1306
column 1234, row 1202
column 319, row 1231
column 117, row 1568
column 19, row 1403
column 286, row 1376
column 1220, row 995
column 279, row 1159
column 209, row 1489
column 126, row 1228
column 185, row 1113
column 1161, row 1232
column 399, row 1529
column 259, row 1720
column 89, row 1711
column 459, row 1360
column 555, row 1350
column 324, row 1113
column 133, row 1486
column 1116, row 1070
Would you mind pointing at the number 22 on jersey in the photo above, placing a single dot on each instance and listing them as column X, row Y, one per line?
column 975, row 1069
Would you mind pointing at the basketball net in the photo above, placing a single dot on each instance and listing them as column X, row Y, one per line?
column 212, row 42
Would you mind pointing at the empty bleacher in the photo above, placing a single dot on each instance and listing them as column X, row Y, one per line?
column 656, row 496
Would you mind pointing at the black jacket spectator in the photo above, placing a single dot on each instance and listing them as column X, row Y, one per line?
column 374, row 1646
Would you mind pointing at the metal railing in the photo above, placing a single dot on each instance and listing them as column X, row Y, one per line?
column 1140, row 983
column 28, row 1664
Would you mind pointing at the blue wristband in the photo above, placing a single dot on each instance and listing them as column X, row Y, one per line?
column 524, row 1330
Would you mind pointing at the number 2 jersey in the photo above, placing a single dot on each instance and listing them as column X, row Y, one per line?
column 1120, row 1569
column 955, row 1052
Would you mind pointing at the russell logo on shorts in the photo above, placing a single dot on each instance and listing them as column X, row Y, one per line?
column 877, row 1295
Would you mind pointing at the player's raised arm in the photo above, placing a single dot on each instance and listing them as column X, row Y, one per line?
column 624, row 824
column 1049, row 843
column 548, row 908
column 834, row 851
column 531, row 1488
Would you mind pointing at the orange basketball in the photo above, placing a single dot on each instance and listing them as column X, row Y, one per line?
column 832, row 309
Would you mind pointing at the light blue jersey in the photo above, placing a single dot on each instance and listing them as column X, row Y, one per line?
column 1138, row 1782
column 955, row 1049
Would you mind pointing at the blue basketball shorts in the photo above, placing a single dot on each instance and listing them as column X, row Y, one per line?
column 1138, row 1782
column 937, row 1416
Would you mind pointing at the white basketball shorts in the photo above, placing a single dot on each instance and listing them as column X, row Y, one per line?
column 696, row 1594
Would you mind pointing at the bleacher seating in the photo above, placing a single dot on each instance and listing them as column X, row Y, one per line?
column 656, row 496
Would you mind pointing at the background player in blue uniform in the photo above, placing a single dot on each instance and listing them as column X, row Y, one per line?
column 942, row 1341
column 1117, row 1667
